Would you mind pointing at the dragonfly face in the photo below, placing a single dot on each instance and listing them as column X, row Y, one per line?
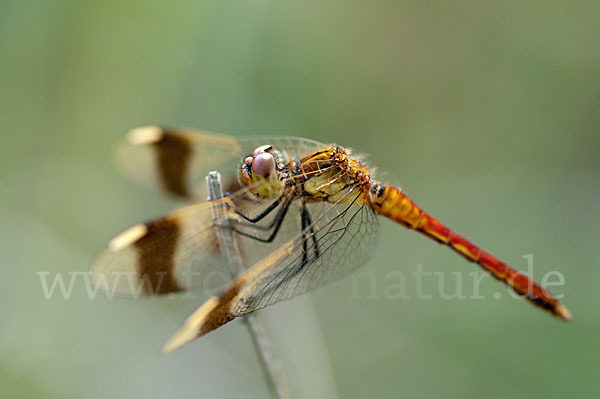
column 301, row 212
column 325, row 175
column 262, row 172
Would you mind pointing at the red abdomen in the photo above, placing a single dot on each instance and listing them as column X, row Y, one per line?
column 392, row 203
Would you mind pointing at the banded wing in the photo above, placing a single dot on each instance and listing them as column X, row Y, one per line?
column 176, row 161
column 174, row 253
column 181, row 251
column 341, row 238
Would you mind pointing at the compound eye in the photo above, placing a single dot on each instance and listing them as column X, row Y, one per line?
column 261, row 149
column 263, row 164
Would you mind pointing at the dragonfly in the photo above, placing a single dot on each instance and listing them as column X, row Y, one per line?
column 302, row 213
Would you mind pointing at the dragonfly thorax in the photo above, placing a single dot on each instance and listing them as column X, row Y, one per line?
column 332, row 175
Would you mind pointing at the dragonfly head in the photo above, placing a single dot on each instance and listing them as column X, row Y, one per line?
column 260, row 170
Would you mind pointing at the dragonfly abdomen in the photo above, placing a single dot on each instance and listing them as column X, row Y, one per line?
column 392, row 203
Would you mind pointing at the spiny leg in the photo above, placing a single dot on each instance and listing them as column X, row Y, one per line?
column 267, row 227
column 304, row 238
column 261, row 215
column 276, row 224
column 307, row 222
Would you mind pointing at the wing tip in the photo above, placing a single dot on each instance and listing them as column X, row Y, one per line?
column 192, row 328
column 127, row 237
column 145, row 135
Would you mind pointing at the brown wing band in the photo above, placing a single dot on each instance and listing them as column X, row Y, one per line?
column 156, row 259
column 173, row 158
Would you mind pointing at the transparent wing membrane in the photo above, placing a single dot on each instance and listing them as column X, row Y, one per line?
column 180, row 251
column 177, row 252
column 176, row 161
column 341, row 239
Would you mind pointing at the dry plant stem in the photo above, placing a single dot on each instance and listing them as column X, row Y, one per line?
column 262, row 343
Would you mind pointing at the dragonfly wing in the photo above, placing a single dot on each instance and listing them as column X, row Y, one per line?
column 181, row 251
column 174, row 253
column 176, row 161
column 345, row 235
column 344, row 239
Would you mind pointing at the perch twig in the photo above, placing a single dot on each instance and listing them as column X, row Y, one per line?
column 263, row 345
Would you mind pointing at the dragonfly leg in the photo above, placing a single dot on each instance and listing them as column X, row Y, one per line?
column 261, row 215
column 267, row 227
column 307, row 222
column 276, row 224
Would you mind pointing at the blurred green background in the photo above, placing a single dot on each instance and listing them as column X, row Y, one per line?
column 485, row 112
